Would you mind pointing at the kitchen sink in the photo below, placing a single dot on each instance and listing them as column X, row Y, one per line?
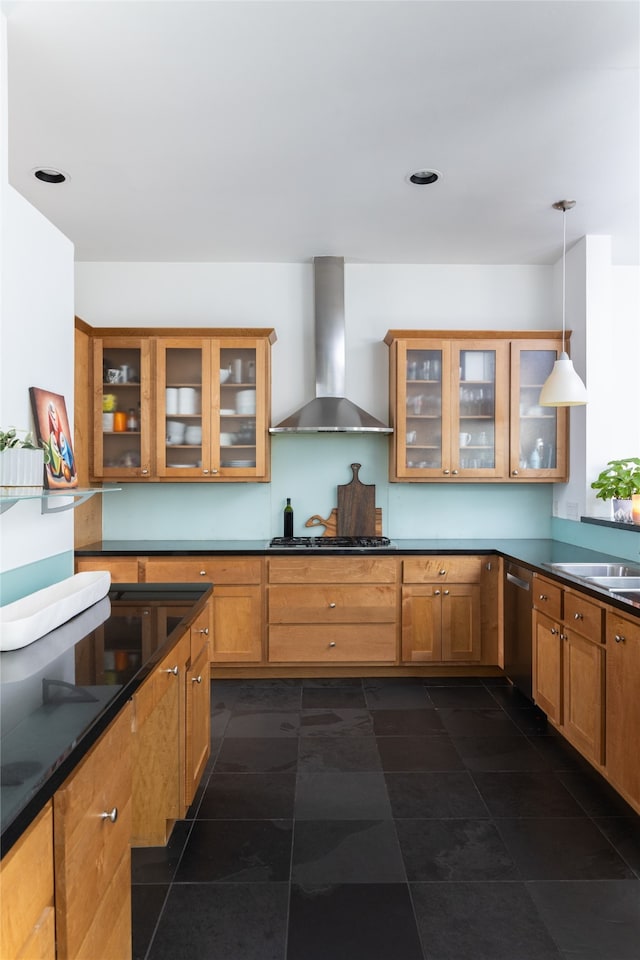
column 627, row 594
column 616, row 583
column 589, row 571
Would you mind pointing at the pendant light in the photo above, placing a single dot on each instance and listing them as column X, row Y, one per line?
column 563, row 387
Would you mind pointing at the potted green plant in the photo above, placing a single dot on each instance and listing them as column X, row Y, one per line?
column 22, row 462
column 619, row 482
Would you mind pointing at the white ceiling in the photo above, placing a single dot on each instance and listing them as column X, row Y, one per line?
column 280, row 131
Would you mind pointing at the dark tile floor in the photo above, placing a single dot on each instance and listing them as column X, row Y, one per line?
column 432, row 819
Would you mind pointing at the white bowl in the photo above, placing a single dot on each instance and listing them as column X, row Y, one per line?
column 224, row 375
column 193, row 434
column 227, row 439
column 175, row 431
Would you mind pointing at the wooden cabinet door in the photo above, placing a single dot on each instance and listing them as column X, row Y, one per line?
column 158, row 749
column 421, row 624
column 26, row 894
column 583, row 694
column 547, row 666
column 479, row 407
column 461, row 622
column 531, row 363
column 122, row 454
column 623, row 704
column 92, row 830
column 198, row 722
column 183, row 405
column 238, row 619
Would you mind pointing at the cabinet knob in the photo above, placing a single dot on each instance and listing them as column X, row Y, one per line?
column 578, row 616
column 543, row 596
column 205, row 631
column 332, row 643
column 514, row 473
column 446, row 593
column 553, row 631
column 564, row 636
column 619, row 638
column 112, row 816
column 196, row 679
column 205, row 472
column 172, row 670
column 446, row 473
column 442, row 573
column 215, row 470
column 455, row 473
column 203, row 573
column 332, row 605
column 144, row 472
column 436, row 593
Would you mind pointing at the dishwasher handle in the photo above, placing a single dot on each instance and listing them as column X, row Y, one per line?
column 518, row 582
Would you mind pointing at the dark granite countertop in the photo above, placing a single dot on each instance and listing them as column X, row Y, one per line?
column 59, row 694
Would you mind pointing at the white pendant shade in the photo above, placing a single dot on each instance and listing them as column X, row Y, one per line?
column 563, row 387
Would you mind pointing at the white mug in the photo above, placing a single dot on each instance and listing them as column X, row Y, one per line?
column 465, row 439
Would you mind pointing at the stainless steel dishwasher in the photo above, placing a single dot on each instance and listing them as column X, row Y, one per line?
column 517, row 626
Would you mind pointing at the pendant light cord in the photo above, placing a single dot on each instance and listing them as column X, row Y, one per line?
column 564, row 271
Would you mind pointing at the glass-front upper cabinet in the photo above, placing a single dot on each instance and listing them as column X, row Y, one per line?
column 121, row 408
column 213, row 408
column 538, row 434
column 450, row 409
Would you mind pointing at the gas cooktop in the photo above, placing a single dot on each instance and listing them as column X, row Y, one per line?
column 335, row 543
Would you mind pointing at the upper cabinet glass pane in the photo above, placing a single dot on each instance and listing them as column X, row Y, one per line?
column 183, row 408
column 424, row 409
column 538, row 425
column 477, row 410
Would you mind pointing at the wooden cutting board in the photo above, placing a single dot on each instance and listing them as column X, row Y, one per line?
column 331, row 522
column 356, row 507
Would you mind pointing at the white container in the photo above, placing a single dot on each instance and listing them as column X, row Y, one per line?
column 20, row 468
column 175, row 432
column 171, row 401
column 107, row 422
column 188, row 401
column 193, row 434
column 246, row 401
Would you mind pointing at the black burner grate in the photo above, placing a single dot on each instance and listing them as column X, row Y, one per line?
column 319, row 543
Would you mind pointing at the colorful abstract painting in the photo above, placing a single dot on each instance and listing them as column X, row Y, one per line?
column 54, row 433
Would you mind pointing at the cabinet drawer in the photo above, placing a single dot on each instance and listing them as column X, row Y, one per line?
column 213, row 569
column 122, row 569
column 585, row 616
column 332, row 570
column 547, row 596
column 332, row 603
column 441, row 569
column 346, row 643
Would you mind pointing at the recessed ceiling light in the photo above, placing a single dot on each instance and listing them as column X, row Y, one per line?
column 49, row 175
column 424, row 177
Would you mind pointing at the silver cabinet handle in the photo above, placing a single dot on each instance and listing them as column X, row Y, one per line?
column 543, row 596
column 578, row 616
column 619, row 638
column 442, row 573
column 436, row 593
column 206, row 472
column 332, row 605
column 332, row 643
column 553, row 631
column 455, row 473
column 203, row 573
column 196, row 679
column 112, row 817
column 446, row 473
column 172, row 670
column 144, row 472
column 205, row 631
column 446, row 593
column 514, row 473
column 215, row 470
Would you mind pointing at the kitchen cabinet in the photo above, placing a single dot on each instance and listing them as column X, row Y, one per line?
column 236, row 606
column 92, row 857
column 325, row 610
column 213, row 408
column 122, row 569
column 197, row 708
column 441, row 610
column 623, row 704
column 463, row 405
column 181, row 405
column 158, row 748
column 538, row 435
column 122, row 408
column 26, row 894
column 569, row 665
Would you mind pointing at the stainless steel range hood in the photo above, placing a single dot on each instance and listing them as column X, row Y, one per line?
column 330, row 411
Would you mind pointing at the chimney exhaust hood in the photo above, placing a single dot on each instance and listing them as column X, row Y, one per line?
column 330, row 411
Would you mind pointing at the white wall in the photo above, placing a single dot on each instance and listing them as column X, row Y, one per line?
column 36, row 346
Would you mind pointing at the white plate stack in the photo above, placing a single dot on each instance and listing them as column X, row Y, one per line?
column 188, row 401
column 246, row 402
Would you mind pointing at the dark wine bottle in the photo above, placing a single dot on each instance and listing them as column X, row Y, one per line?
column 288, row 519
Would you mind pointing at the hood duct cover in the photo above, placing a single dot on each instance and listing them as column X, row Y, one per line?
column 330, row 411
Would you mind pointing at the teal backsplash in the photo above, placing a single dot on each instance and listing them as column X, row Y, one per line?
column 18, row 583
column 619, row 543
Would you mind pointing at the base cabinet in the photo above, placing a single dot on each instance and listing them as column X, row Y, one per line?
column 92, row 856
column 197, row 709
column 26, row 894
column 623, row 705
